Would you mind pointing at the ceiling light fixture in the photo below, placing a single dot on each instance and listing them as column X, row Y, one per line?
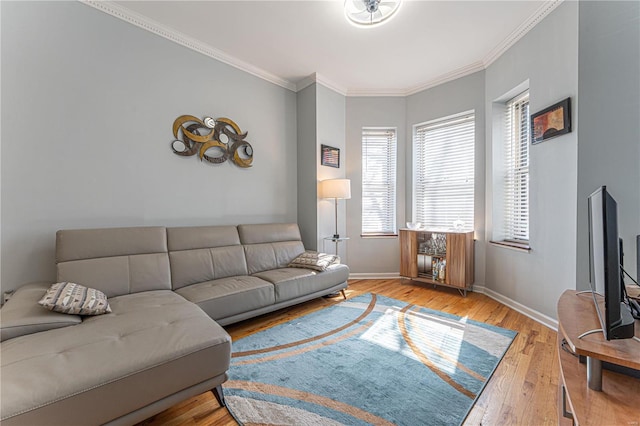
column 368, row 13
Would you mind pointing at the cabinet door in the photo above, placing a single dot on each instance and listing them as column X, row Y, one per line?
column 408, row 254
column 460, row 259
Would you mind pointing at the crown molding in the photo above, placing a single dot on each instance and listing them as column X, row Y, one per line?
column 331, row 84
column 521, row 31
column 306, row 82
column 150, row 25
column 376, row 92
column 450, row 76
column 319, row 79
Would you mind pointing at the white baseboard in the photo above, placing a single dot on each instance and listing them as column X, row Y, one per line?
column 517, row 306
column 374, row 275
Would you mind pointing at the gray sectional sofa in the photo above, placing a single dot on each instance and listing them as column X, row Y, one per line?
column 170, row 290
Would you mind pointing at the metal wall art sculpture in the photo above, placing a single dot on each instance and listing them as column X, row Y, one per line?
column 214, row 140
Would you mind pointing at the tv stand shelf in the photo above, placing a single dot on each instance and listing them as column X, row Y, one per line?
column 619, row 400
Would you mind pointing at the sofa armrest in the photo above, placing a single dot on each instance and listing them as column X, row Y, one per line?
column 22, row 315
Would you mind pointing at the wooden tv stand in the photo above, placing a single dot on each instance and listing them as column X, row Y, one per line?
column 455, row 247
column 618, row 400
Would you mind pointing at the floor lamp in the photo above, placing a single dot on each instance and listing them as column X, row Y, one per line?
column 336, row 189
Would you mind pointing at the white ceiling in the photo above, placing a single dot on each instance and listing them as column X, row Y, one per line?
column 426, row 43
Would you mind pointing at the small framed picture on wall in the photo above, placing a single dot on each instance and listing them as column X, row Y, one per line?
column 330, row 156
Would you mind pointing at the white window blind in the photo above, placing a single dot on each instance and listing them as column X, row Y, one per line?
column 444, row 172
column 516, row 182
column 378, row 181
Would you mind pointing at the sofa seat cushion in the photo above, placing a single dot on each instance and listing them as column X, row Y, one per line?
column 153, row 344
column 226, row 297
column 291, row 283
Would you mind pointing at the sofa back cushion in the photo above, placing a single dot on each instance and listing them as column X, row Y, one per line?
column 270, row 246
column 115, row 261
column 199, row 254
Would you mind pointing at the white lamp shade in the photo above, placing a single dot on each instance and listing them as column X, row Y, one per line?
column 335, row 188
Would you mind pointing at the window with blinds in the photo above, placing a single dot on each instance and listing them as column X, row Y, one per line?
column 378, row 181
column 444, row 172
column 516, row 181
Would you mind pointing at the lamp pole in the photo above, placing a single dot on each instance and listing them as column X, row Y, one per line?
column 336, row 235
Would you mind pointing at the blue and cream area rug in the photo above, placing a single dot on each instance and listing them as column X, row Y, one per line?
column 368, row 360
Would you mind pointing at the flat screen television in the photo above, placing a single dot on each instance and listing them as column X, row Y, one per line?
column 604, row 263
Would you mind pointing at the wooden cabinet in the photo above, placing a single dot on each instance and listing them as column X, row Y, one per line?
column 442, row 258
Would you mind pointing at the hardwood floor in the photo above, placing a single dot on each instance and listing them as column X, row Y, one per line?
column 522, row 391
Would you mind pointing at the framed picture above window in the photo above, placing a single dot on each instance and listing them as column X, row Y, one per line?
column 551, row 122
column 330, row 156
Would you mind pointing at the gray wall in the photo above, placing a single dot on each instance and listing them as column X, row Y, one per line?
column 463, row 94
column 331, row 111
column 562, row 171
column 547, row 57
column 609, row 115
column 379, row 256
column 321, row 120
column 88, row 103
column 307, row 159
column 374, row 255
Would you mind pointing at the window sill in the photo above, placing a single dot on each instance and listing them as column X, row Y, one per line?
column 379, row 235
column 512, row 245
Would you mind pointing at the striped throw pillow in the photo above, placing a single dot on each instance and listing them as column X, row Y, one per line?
column 72, row 298
column 314, row 260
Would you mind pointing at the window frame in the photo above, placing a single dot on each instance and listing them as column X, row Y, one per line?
column 390, row 179
column 516, row 142
column 466, row 118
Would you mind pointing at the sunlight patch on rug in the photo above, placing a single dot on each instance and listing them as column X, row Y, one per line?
column 368, row 360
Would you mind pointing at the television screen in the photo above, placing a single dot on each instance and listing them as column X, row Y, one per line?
column 604, row 260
